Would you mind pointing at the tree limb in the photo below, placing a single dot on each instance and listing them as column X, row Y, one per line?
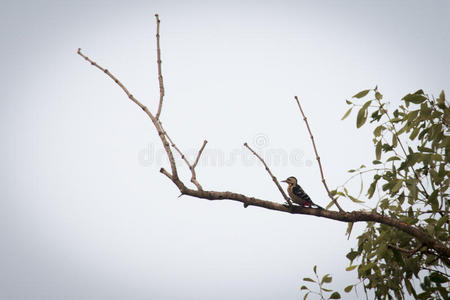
column 355, row 216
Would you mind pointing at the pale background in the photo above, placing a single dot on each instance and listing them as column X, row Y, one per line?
column 84, row 212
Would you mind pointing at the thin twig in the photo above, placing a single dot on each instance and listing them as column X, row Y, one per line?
column 433, row 270
column 413, row 251
column 271, row 175
column 199, row 153
column 160, row 77
column 409, row 252
column 317, row 157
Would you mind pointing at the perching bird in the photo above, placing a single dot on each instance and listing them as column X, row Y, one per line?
column 297, row 194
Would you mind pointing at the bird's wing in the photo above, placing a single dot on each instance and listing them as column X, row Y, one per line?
column 298, row 191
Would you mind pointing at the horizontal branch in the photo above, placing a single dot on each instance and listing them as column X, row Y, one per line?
column 355, row 216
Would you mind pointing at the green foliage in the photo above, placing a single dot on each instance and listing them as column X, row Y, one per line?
column 412, row 145
column 323, row 293
column 409, row 182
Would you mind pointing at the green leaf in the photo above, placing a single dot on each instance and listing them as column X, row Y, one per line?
column 432, row 199
column 303, row 287
column 392, row 158
column 441, row 99
column 362, row 114
column 378, row 130
column 371, row 190
column 414, row 133
column 378, row 150
column 351, row 268
column 326, row 279
column 398, row 184
column 348, row 289
column 348, row 102
column 315, row 269
column 394, row 140
column 329, row 205
column 347, row 113
column 441, row 221
column 414, row 98
column 335, row 295
column 349, row 229
column 308, row 279
column 306, row 296
column 438, row 278
column 409, row 286
column 376, row 162
column 378, row 96
column 361, row 94
column 424, row 149
column 352, row 255
column 354, row 199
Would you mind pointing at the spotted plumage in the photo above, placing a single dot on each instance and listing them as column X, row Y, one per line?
column 297, row 194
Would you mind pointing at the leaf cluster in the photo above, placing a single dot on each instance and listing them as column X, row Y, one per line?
column 412, row 151
column 409, row 181
column 323, row 292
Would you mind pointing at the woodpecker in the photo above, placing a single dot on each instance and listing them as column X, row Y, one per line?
column 297, row 194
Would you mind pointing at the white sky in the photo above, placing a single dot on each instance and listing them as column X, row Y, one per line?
column 84, row 212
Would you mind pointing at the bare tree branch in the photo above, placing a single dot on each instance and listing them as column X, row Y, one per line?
column 160, row 77
column 355, row 216
column 317, row 157
column 271, row 175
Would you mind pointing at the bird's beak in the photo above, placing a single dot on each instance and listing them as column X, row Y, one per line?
column 284, row 180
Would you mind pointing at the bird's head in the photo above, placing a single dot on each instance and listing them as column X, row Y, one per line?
column 291, row 180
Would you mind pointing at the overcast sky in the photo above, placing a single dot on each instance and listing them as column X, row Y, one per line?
column 84, row 211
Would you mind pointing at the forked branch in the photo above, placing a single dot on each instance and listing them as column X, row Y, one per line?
column 183, row 157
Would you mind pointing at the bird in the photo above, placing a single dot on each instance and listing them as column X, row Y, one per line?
column 297, row 194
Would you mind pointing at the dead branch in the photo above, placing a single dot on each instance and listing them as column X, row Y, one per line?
column 318, row 157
